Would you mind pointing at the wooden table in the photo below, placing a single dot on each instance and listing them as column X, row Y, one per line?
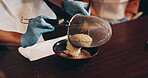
column 124, row 56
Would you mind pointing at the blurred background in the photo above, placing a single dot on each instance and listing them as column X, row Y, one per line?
column 144, row 7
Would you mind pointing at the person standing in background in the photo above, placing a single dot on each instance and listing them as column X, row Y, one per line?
column 115, row 11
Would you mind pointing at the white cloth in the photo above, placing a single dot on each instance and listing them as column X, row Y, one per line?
column 12, row 11
column 110, row 9
column 40, row 50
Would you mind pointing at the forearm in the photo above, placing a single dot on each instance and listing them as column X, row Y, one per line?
column 57, row 2
column 10, row 38
column 132, row 8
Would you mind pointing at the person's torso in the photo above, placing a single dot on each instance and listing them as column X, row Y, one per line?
column 110, row 9
column 13, row 10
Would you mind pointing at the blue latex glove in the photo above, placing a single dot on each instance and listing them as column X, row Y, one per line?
column 116, row 22
column 36, row 27
column 74, row 7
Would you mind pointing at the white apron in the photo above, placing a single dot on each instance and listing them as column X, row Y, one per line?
column 11, row 12
column 110, row 9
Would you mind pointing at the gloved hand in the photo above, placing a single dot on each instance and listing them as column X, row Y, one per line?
column 116, row 22
column 74, row 7
column 36, row 27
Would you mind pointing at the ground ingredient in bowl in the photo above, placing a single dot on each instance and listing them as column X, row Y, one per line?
column 77, row 52
column 82, row 40
column 83, row 54
column 72, row 50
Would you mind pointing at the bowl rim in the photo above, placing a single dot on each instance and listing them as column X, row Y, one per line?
column 74, row 58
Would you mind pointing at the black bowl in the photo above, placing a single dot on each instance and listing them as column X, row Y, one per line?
column 61, row 46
